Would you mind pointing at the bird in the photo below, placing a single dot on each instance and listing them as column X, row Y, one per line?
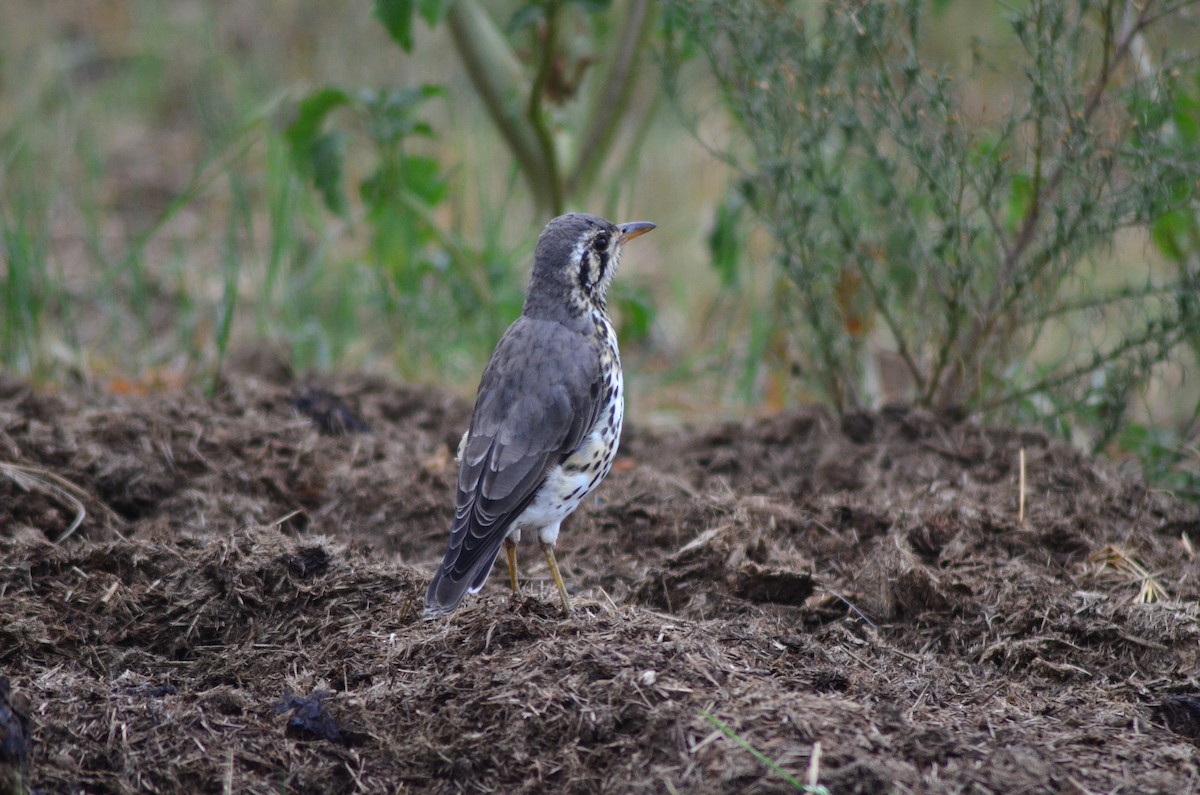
column 548, row 412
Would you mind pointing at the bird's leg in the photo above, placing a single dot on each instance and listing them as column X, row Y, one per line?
column 548, row 551
column 510, row 552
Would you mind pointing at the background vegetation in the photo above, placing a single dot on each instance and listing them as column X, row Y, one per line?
column 857, row 202
column 961, row 252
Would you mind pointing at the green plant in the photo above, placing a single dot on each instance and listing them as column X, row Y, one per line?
column 541, row 101
column 102, row 266
column 402, row 190
column 422, row 273
column 559, row 121
column 1170, row 458
column 25, row 289
column 810, row 788
column 965, row 246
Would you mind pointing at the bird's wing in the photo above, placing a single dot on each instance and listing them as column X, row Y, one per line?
column 539, row 396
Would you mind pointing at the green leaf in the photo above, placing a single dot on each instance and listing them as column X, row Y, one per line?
column 1150, row 112
column 1020, row 201
column 593, row 6
column 392, row 114
column 525, row 17
column 327, row 156
column 432, row 11
column 986, row 150
column 678, row 41
column 1187, row 119
column 636, row 311
column 397, row 17
column 416, row 177
column 423, row 177
column 302, row 133
column 1169, row 232
column 725, row 242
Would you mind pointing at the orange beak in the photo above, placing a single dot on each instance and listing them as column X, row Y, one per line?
column 633, row 229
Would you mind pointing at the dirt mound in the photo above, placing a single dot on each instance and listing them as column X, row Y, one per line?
column 224, row 595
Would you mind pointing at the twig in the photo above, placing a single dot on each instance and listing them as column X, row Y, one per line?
column 866, row 618
column 30, row 478
column 611, row 101
column 533, row 112
column 496, row 74
column 814, row 767
column 1098, row 359
column 227, row 783
column 1021, row 499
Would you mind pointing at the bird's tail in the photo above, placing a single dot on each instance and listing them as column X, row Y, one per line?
column 450, row 585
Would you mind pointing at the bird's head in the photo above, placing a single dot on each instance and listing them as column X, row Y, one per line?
column 576, row 258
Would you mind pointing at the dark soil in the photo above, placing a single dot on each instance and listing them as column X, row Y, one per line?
column 238, row 609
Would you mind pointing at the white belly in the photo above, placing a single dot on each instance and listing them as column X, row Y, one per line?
column 576, row 477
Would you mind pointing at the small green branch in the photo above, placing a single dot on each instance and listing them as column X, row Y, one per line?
column 608, row 108
column 496, row 74
column 1154, row 337
column 535, row 115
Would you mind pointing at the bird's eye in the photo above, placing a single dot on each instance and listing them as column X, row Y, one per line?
column 601, row 243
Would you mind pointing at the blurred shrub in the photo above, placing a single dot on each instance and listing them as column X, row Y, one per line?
column 556, row 81
column 957, row 245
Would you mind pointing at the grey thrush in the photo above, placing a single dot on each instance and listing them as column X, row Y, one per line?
column 548, row 412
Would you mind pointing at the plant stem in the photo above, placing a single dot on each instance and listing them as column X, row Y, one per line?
column 1099, row 359
column 496, row 75
column 610, row 102
column 536, row 116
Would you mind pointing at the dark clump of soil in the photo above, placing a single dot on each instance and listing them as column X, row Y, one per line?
column 209, row 595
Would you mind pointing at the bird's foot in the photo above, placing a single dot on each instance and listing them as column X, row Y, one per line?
column 510, row 552
column 548, row 551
